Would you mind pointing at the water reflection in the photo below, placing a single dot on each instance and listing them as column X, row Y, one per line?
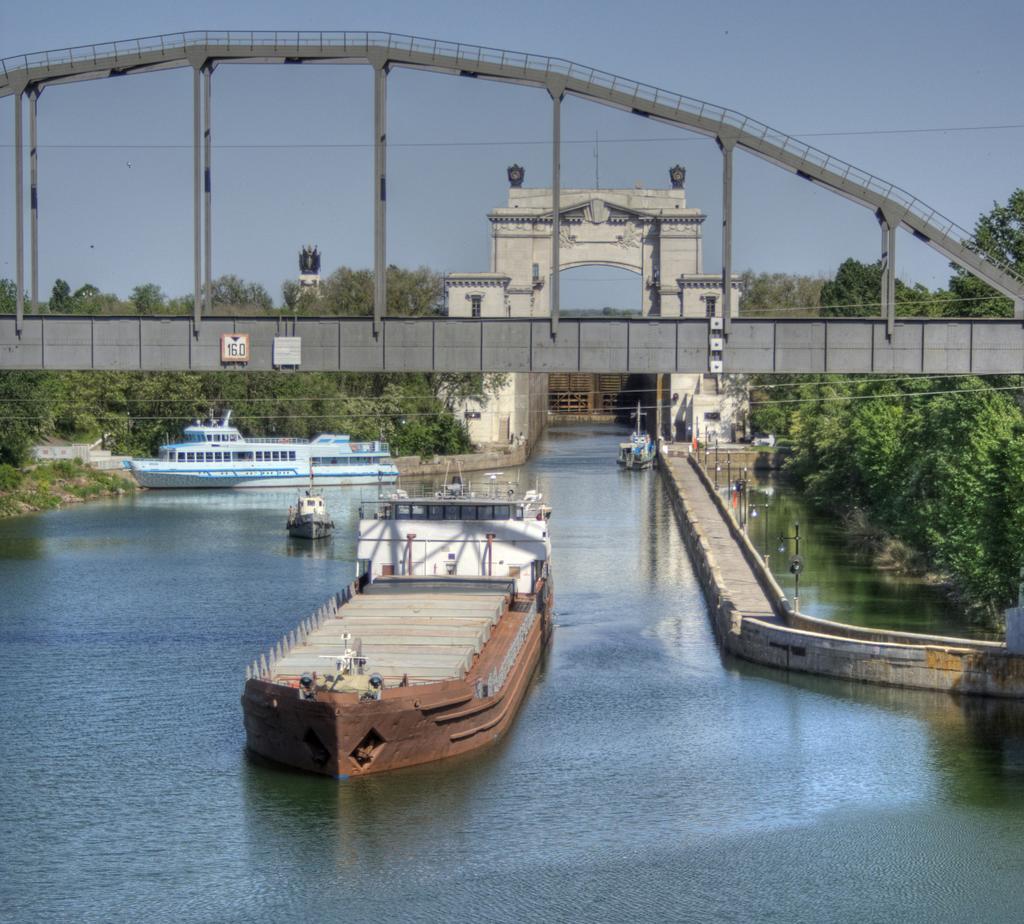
column 309, row 548
column 21, row 548
column 646, row 776
column 840, row 583
column 976, row 744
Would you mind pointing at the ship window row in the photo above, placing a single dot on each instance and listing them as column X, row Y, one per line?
column 245, row 456
column 457, row 512
column 342, row 460
column 213, row 437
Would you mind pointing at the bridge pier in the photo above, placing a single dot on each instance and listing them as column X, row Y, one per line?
column 19, row 216
column 888, row 271
column 380, row 213
column 197, row 175
column 556, row 91
column 33, row 160
column 726, row 145
column 207, row 193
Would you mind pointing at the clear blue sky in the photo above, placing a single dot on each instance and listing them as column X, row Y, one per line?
column 873, row 82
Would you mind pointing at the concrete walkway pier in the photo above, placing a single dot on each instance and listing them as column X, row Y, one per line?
column 754, row 620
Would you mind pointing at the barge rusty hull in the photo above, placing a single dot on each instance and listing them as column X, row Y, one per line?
column 338, row 735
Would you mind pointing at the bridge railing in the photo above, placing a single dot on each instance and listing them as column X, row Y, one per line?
column 533, row 68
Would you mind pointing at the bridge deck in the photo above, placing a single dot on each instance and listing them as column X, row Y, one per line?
column 918, row 346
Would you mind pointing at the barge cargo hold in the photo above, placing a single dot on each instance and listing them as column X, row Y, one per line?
column 409, row 665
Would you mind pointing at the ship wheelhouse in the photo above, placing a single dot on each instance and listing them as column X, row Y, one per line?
column 467, row 535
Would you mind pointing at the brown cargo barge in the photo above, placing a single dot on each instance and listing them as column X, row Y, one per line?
column 409, row 667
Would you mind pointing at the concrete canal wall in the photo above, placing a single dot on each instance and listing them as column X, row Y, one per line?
column 414, row 466
column 754, row 620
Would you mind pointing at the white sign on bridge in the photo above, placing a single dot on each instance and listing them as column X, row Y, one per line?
column 287, row 351
column 234, row 348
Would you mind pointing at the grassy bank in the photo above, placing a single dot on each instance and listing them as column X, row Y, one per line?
column 54, row 484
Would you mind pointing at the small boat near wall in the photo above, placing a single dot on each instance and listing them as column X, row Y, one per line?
column 639, row 451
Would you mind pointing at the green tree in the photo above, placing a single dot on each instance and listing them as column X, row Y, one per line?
column 939, row 471
column 60, row 298
column 999, row 235
column 85, row 292
column 415, row 292
column 349, row 292
column 8, row 297
column 148, row 298
column 772, row 291
column 26, row 412
column 231, row 291
column 856, row 292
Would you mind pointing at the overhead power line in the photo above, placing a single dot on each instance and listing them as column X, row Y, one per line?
column 514, row 141
column 826, row 399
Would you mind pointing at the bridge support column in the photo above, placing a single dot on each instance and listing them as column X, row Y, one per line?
column 556, row 90
column 19, row 216
column 33, row 167
column 726, row 145
column 197, row 176
column 888, row 271
column 380, row 213
column 207, row 193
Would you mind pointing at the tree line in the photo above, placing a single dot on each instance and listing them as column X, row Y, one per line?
column 134, row 412
column 345, row 292
column 936, row 463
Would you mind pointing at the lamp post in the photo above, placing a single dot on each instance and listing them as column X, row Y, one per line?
column 796, row 563
column 738, row 490
column 754, row 508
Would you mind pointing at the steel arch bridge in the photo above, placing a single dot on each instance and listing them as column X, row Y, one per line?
column 756, row 345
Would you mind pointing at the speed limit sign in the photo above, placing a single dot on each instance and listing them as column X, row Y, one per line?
column 234, row 348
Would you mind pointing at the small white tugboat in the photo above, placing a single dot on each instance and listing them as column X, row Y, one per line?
column 639, row 451
column 309, row 519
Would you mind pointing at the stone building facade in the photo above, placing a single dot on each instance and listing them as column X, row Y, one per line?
column 649, row 231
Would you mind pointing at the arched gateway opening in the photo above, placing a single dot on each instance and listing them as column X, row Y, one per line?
column 649, row 231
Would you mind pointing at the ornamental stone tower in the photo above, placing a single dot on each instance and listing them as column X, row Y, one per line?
column 649, row 231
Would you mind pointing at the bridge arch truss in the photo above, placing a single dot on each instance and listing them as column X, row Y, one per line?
column 27, row 75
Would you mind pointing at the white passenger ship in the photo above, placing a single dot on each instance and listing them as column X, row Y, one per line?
column 216, row 455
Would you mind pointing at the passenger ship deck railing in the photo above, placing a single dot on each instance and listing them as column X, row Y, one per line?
column 295, row 440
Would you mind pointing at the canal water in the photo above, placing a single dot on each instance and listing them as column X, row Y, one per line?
column 647, row 777
column 839, row 581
